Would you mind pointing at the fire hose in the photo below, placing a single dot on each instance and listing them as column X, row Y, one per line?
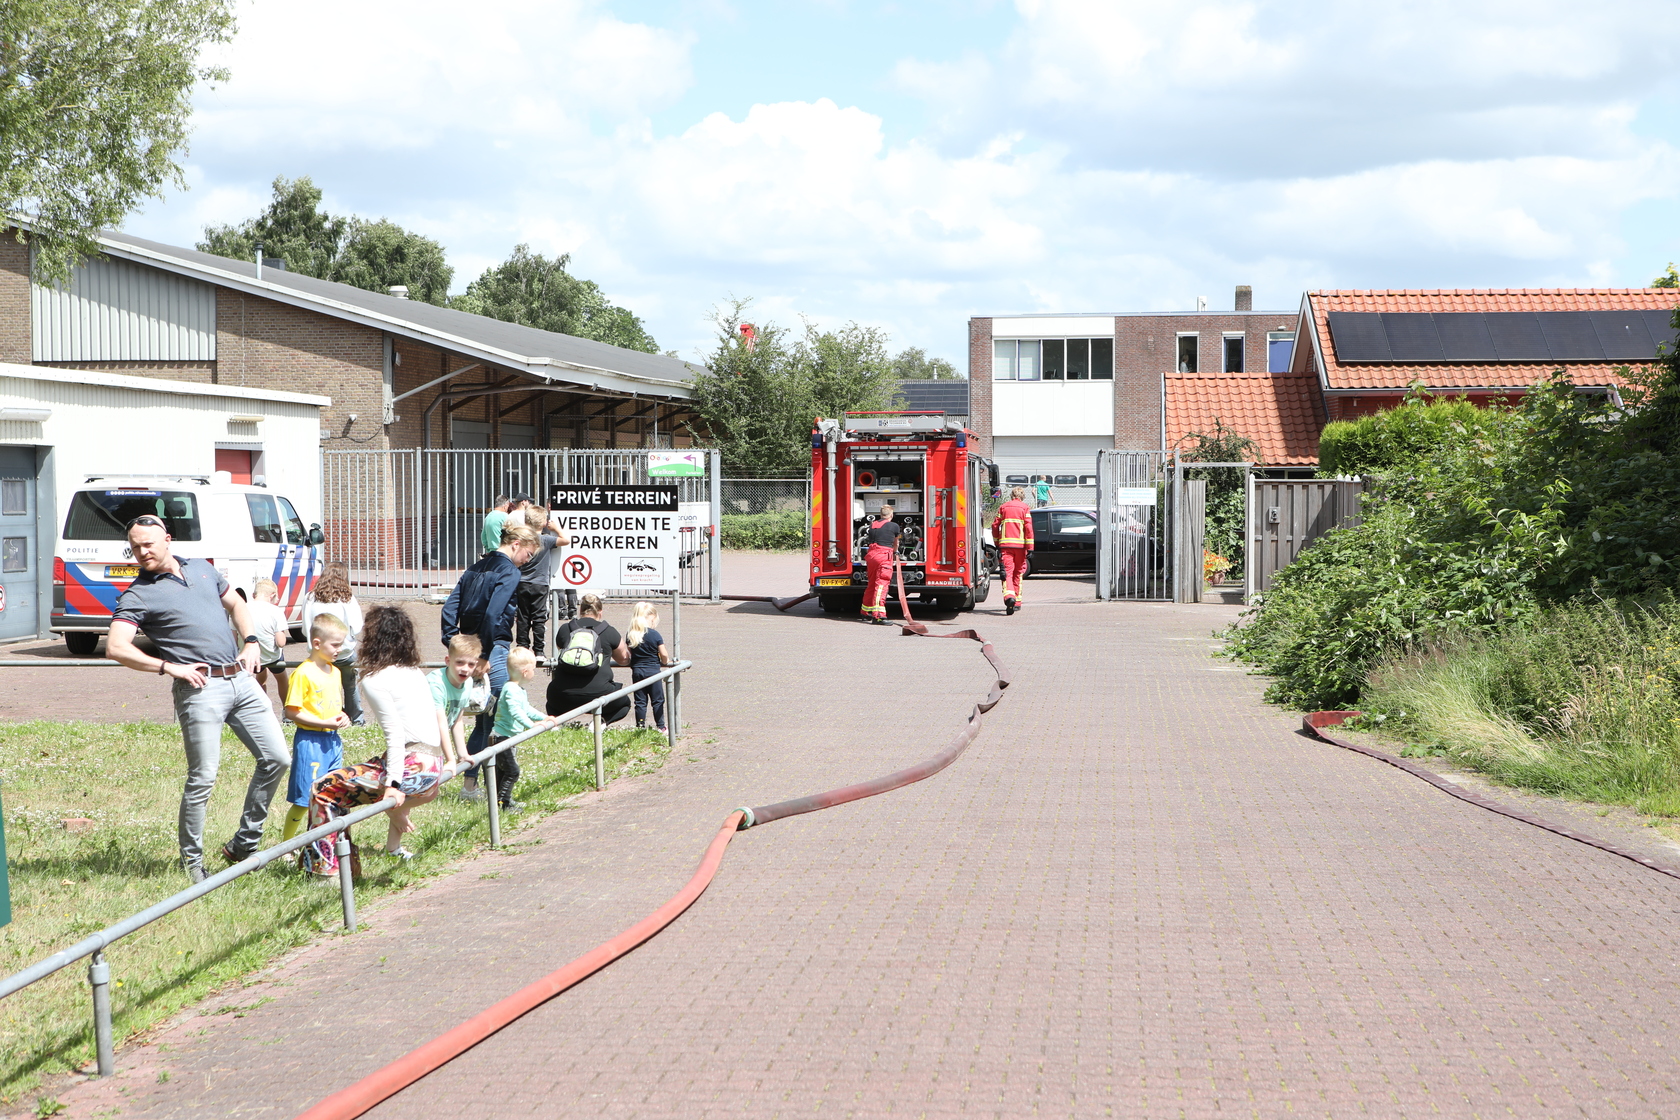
column 411, row 1067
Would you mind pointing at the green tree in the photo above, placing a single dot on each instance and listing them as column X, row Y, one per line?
column 293, row 227
column 373, row 255
column 913, row 364
column 94, row 101
column 1669, row 279
column 758, row 405
column 1227, row 489
column 534, row 291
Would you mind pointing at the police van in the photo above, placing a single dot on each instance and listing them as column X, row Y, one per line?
column 247, row 532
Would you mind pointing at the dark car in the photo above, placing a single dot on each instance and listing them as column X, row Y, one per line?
column 1064, row 540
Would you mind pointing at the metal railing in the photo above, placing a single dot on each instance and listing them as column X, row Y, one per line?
column 94, row 945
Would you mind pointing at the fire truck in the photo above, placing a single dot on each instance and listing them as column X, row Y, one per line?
column 919, row 464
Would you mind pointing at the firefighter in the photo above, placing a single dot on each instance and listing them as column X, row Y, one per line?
column 883, row 552
column 1012, row 531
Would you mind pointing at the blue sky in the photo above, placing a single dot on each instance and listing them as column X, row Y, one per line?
column 908, row 165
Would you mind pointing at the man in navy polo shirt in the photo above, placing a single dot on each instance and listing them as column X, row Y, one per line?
column 183, row 606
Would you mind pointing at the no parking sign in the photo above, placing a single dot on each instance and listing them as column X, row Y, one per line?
column 623, row 537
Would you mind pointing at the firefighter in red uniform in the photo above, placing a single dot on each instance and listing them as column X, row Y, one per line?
column 1012, row 531
column 883, row 551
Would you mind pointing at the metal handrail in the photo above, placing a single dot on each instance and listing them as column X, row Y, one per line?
column 99, row 972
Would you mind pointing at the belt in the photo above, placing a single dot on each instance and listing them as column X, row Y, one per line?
column 225, row 670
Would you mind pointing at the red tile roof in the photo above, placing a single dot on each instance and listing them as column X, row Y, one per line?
column 1282, row 412
column 1469, row 375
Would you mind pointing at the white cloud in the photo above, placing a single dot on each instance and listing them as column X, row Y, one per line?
column 1108, row 156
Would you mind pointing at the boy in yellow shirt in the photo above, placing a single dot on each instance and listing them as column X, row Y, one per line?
column 315, row 702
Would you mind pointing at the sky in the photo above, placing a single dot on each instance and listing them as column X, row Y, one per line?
column 907, row 165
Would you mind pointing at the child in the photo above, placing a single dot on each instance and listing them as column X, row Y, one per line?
column 513, row 715
column 461, row 689
column 332, row 595
column 647, row 656
column 268, row 623
column 315, row 702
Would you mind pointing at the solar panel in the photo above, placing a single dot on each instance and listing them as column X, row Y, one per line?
column 1464, row 336
column 1412, row 337
column 1359, row 336
column 1623, row 335
column 1570, row 336
column 1517, row 336
column 1657, row 323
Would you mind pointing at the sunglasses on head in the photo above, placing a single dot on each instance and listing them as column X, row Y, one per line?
column 148, row 519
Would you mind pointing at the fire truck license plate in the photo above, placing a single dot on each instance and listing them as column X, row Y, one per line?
column 122, row 571
column 842, row 582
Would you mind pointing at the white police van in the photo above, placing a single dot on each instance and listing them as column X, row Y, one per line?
column 247, row 532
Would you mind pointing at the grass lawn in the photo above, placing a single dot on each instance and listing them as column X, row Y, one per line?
column 127, row 779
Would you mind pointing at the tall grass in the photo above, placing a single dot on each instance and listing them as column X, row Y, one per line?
column 1582, row 700
column 126, row 778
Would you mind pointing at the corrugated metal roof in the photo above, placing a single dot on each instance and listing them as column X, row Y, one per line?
column 116, row 311
column 546, row 354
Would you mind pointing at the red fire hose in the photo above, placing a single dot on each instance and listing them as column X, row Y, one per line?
column 411, row 1067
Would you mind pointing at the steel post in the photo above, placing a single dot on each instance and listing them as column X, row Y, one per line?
column 99, row 978
column 600, row 762
column 346, row 888
column 673, row 707
column 491, row 800
column 714, row 554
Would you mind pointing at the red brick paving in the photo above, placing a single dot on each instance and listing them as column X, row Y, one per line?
column 1140, row 893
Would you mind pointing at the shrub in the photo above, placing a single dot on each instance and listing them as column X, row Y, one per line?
column 1581, row 700
column 779, row 530
column 1391, row 439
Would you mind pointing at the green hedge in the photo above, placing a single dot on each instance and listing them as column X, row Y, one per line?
column 780, row 531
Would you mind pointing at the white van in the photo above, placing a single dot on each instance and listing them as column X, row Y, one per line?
column 247, row 532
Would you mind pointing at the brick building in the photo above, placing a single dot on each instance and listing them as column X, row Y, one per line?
column 400, row 373
column 1049, row 391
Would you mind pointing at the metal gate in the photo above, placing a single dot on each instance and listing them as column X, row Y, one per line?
column 1133, row 544
column 1285, row 517
column 410, row 518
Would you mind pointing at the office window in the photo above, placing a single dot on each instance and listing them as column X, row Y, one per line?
column 1187, row 353
column 1055, row 358
column 1003, row 360
column 1233, row 353
column 1102, row 359
column 1030, row 363
column 1280, row 349
column 1078, row 359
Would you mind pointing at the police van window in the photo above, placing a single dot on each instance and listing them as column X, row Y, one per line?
column 103, row 515
column 295, row 533
column 265, row 524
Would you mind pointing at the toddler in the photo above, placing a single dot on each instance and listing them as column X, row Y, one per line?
column 514, row 714
column 268, row 623
column 315, row 702
column 648, row 655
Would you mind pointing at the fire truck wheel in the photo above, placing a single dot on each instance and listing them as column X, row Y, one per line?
column 840, row 604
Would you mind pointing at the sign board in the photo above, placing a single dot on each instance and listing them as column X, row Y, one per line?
column 1134, row 496
column 694, row 515
column 676, row 464
column 622, row 537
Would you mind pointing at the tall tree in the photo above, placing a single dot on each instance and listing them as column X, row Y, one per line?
column 913, row 364
column 374, row 255
column 757, row 404
column 534, row 291
column 94, row 101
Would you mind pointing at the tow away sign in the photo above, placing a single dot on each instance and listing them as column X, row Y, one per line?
column 622, row 537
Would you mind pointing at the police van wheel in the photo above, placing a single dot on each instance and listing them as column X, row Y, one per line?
column 81, row 643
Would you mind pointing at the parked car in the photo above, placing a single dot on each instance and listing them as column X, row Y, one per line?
column 1064, row 540
column 247, row 532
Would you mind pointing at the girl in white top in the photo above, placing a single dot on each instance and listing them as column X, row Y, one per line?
column 332, row 595
column 395, row 688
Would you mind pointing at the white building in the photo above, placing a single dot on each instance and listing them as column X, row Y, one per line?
column 58, row 426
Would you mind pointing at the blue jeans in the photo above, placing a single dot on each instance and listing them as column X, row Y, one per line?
column 485, row 723
column 242, row 705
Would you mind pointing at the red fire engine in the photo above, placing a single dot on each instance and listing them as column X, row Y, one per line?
column 919, row 464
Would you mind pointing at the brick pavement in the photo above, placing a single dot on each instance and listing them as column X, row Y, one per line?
column 1140, row 893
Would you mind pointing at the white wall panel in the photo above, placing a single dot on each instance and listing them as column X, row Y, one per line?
column 115, row 311
column 1053, row 408
column 1054, row 326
